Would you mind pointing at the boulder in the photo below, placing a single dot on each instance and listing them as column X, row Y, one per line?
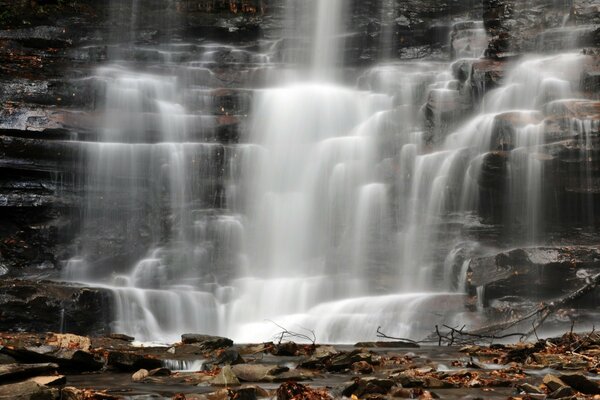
column 69, row 359
column 206, row 342
column 12, row 372
column 553, row 271
column 28, row 390
column 129, row 361
column 580, row 383
column 140, row 375
column 225, row 378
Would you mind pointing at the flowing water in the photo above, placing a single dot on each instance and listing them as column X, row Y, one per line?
column 340, row 208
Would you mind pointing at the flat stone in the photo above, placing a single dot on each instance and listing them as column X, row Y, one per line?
column 128, row 361
column 52, row 380
column 206, row 341
column 581, row 383
column 252, row 372
column 225, row 378
column 553, row 382
column 561, row 392
column 530, row 389
column 10, row 372
column 27, row 390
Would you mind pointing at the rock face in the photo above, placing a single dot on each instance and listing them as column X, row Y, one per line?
column 49, row 306
column 533, row 274
column 51, row 100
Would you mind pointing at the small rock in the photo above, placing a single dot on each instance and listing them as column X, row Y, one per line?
column 293, row 390
column 140, row 375
column 121, row 336
column 563, row 391
column 362, row 367
column 225, row 378
column 553, row 382
column 53, row 380
column 229, row 356
column 285, row 349
column 248, row 393
column 530, row 389
column 361, row 387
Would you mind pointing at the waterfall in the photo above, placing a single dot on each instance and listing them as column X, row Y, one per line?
column 340, row 206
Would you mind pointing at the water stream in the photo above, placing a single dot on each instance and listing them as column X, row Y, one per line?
column 336, row 210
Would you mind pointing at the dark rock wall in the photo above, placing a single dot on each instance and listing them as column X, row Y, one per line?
column 48, row 95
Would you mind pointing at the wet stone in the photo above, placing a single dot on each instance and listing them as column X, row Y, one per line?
column 206, row 341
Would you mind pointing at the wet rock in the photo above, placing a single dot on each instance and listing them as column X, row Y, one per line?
column 487, row 75
column 120, row 336
column 225, row 378
column 563, row 391
column 140, row 375
column 285, row 349
column 28, row 390
column 129, row 361
column 581, row 383
column 256, row 372
column 66, row 358
column 552, row 270
column 344, row 361
column 52, row 380
column 368, row 386
column 553, row 382
column 11, row 372
column 249, row 393
column 229, row 356
column 530, row 389
column 206, row 341
column 506, row 126
column 362, row 367
column 293, row 390
column 38, row 307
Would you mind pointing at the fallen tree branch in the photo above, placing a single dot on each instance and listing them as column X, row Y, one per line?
column 455, row 336
column 382, row 335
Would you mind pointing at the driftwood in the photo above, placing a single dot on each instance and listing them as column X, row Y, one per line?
column 458, row 336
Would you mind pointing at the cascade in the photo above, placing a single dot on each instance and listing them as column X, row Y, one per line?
column 342, row 208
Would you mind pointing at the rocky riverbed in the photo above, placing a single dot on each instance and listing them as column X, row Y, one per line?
column 66, row 366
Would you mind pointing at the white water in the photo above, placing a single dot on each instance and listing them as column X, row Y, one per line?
column 336, row 208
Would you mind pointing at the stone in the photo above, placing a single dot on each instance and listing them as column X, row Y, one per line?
column 130, row 362
column 28, row 390
column 294, row 390
column 249, row 393
column 367, row 386
column 561, row 392
column 11, row 372
column 225, row 378
column 581, row 383
column 121, row 336
column 530, row 389
column 69, row 341
column 553, row 382
column 255, row 372
column 362, row 367
column 229, row 356
column 206, row 341
column 140, row 375
column 52, row 380
column 78, row 360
